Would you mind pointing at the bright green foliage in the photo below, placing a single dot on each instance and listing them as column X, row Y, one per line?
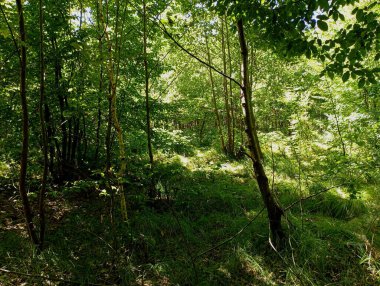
column 314, row 70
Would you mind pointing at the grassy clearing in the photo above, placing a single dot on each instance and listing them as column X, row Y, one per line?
column 206, row 199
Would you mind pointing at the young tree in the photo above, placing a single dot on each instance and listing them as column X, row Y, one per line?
column 25, row 127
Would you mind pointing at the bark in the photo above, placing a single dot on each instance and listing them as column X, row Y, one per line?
column 99, row 119
column 152, row 191
column 84, row 138
column 108, row 162
column 75, row 140
column 214, row 102
column 147, row 104
column 202, row 128
column 230, row 148
column 25, row 129
column 338, row 126
column 274, row 210
column 113, row 111
column 50, row 136
column 61, row 100
column 43, row 131
column 231, row 95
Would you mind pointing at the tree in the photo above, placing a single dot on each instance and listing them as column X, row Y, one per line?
column 112, row 103
column 25, row 128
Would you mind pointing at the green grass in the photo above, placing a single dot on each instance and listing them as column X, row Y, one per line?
column 331, row 240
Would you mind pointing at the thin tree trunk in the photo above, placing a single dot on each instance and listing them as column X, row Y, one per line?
column 338, row 127
column 75, row 140
column 230, row 149
column 43, row 131
column 50, row 135
column 214, row 98
column 275, row 212
column 113, row 109
column 152, row 191
column 232, row 104
column 63, row 123
column 25, row 130
column 84, row 156
column 108, row 163
column 147, row 105
column 202, row 128
column 99, row 120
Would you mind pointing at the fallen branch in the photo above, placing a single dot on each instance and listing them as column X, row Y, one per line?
column 311, row 196
column 232, row 237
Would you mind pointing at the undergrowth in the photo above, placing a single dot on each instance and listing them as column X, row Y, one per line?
column 205, row 199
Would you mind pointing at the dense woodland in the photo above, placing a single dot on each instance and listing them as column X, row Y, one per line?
column 189, row 142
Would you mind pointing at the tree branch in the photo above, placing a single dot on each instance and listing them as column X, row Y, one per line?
column 163, row 28
column 10, row 31
column 232, row 237
column 311, row 196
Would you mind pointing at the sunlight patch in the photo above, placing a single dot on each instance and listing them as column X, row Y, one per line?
column 340, row 193
column 234, row 169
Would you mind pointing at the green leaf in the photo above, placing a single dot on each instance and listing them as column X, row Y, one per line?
column 301, row 25
column 360, row 16
column 322, row 25
column 336, row 16
column 361, row 82
column 346, row 76
column 322, row 17
column 372, row 79
column 324, row 4
column 308, row 53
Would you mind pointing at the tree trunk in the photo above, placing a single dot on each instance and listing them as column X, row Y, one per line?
column 151, row 191
column 50, row 136
column 230, row 148
column 232, row 102
column 75, row 141
column 43, row 131
column 25, row 129
column 147, row 105
column 274, row 210
column 214, row 102
column 61, row 100
column 113, row 110
column 99, row 120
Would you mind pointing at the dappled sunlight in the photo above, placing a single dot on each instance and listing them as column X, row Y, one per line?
column 339, row 191
column 199, row 142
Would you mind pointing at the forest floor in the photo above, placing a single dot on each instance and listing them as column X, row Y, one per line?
column 191, row 235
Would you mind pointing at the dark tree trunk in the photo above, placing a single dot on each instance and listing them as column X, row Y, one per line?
column 147, row 105
column 75, row 140
column 25, row 129
column 151, row 191
column 43, row 131
column 275, row 212
column 99, row 120
column 61, row 100
column 50, row 135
